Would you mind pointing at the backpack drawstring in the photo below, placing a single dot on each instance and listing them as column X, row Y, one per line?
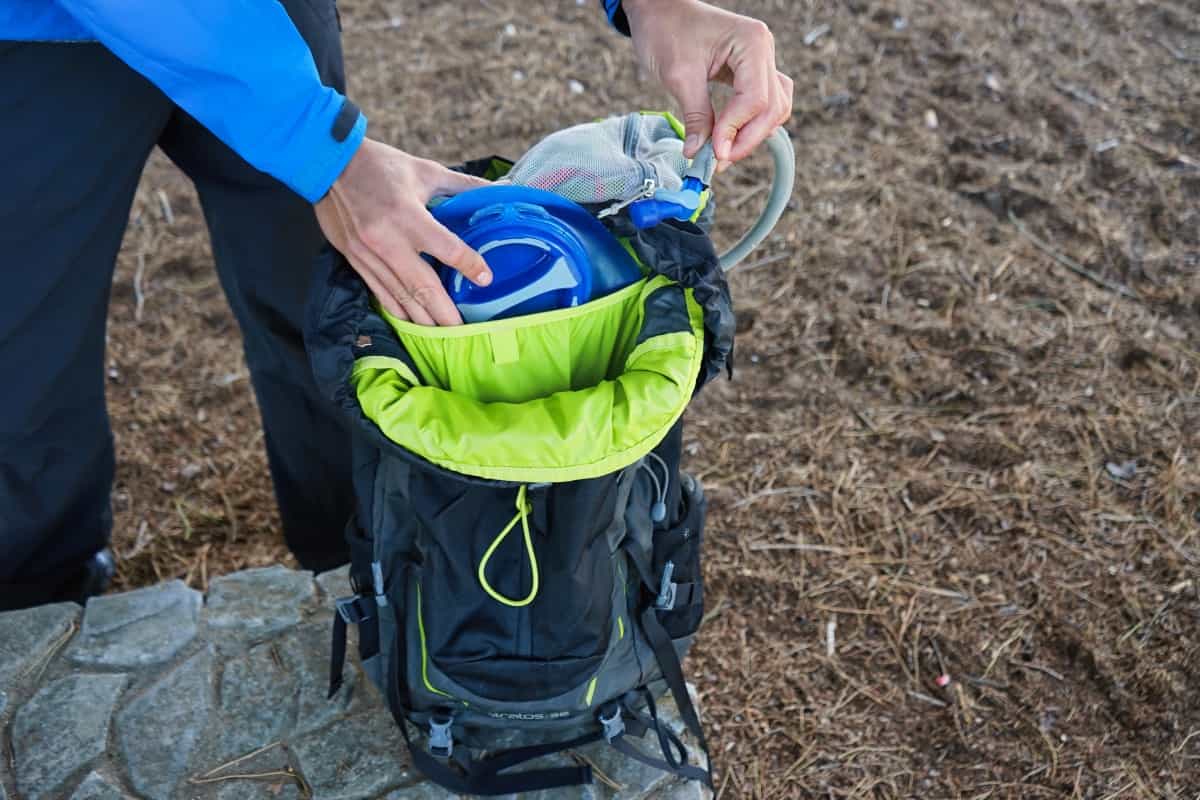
column 524, row 509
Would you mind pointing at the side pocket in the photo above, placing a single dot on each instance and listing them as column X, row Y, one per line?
column 677, row 563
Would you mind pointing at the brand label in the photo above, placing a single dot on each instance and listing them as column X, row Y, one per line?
column 529, row 716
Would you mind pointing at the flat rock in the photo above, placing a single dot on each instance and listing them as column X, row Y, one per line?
column 690, row 790
column 283, row 789
column 95, row 787
column 63, row 727
column 423, row 791
column 335, row 584
column 258, row 602
column 306, row 655
column 357, row 758
column 138, row 628
column 26, row 637
column 3, row 703
column 258, row 701
column 158, row 732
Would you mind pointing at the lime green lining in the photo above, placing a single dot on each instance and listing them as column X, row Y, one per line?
column 522, row 516
column 591, row 692
column 385, row 362
column 411, row 330
column 424, row 652
column 620, row 628
column 579, row 401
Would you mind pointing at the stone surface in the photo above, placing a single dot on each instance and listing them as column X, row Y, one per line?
column 259, row 602
column 96, row 787
column 354, row 759
column 158, row 691
column 335, row 584
column 158, row 732
column 26, row 637
column 63, row 727
column 138, row 628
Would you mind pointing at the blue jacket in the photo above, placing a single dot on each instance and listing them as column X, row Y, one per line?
column 239, row 67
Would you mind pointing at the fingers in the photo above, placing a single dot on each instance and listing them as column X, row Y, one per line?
column 448, row 182
column 691, row 92
column 752, row 61
column 436, row 240
column 778, row 111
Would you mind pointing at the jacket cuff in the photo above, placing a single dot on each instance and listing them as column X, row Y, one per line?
column 335, row 129
column 616, row 15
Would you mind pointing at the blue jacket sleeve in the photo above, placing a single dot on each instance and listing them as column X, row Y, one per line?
column 616, row 15
column 243, row 71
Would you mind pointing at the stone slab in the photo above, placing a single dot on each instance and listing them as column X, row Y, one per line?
column 96, row 787
column 138, row 628
column 259, row 602
column 159, row 731
column 335, row 584
column 258, row 701
column 61, row 729
column 26, row 637
column 358, row 758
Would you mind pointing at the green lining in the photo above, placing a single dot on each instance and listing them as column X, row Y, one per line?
column 591, row 691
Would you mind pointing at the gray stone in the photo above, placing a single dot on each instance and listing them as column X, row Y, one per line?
column 259, row 602
column 26, row 637
column 353, row 759
column 306, row 654
column 158, row 732
column 637, row 780
column 61, row 729
column 138, row 628
column 281, row 789
column 335, row 584
column 422, row 791
column 258, row 701
column 95, row 787
column 3, row 703
column 689, row 790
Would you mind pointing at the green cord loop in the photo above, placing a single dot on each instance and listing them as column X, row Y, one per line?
column 524, row 509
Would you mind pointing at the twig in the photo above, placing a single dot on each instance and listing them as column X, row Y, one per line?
column 924, row 698
column 1038, row 668
column 139, row 296
column 165, row 203
column 240, row 759
column 597, row 772
column 802, row 491
column 810, row 548
column 39, row 666
column 816, row 33
column 1070, row 264
column 1178, row 54
column 1082, row 95
column 762, row 262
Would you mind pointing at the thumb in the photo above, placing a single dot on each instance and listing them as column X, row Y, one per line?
column 445, row 181
column 698, row 115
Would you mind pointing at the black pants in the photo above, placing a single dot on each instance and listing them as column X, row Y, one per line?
column 76, row 127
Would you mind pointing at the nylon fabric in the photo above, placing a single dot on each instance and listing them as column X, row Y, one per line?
column 581, row 401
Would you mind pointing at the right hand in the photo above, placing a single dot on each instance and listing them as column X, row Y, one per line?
column 375, row 215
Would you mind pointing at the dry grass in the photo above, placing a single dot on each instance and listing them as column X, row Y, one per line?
column 953, row 440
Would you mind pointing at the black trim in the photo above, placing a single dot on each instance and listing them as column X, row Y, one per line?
column 345, row 121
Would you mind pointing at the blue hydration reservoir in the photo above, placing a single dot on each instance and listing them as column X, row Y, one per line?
column 545, row 252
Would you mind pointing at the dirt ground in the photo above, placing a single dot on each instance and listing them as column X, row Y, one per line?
column 962, row 438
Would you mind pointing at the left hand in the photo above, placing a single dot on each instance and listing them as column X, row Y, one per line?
column 685, row 44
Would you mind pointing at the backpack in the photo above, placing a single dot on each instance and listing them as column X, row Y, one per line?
column 526, row 555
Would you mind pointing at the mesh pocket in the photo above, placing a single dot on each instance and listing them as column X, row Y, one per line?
column 605, row 161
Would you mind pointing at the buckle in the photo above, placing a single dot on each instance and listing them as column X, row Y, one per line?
column 666, row 590
column 614, row 725
column 441, row 739
column 352, row 610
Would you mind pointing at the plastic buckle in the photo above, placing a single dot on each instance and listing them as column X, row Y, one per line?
column 441, row 739
column 614, row 726
column 666, row 590
column 352, row 610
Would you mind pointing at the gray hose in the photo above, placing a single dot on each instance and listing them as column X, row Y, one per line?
column 784, row 156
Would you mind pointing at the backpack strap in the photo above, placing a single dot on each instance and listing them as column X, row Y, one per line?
column 352, row 610
column 668, row 659
column 619, row 721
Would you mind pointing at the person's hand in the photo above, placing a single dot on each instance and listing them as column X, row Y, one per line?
column 687, row 43
column 375, row 216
